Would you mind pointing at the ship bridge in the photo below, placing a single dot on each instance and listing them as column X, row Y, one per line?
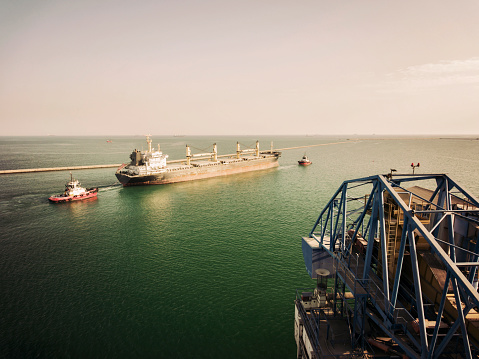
column 403, row 251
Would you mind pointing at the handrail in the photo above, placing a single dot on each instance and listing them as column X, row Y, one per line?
column 313, row 334
column 374, row 292
column 312, row 330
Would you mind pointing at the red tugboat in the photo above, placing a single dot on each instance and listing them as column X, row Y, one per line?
column 304, row 161
column 74, row 192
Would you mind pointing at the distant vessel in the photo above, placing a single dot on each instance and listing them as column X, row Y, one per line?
column 150, row 167
column 74, row 192
column 305, row 161
column 109, row 141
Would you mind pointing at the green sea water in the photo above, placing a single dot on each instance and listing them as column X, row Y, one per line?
column 204, row 269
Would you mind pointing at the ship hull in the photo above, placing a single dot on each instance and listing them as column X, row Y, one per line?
column 91, row 193
column 194, row 173
column 304, row 163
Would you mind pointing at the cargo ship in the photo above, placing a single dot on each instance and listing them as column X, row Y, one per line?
column 151, row 166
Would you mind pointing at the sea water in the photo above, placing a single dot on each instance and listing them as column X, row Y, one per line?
column 203, row 269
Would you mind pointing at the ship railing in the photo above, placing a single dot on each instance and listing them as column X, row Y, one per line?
column 368, row 287
column 398, row 315
column 349, row 278
column 312, row 326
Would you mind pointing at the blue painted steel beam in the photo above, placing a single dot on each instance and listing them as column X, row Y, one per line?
column 407, row 349
column 432, row 345
column 472, row 274
column 340, row 214
column 330, row 222
column 328, row 218
column 418, row 291
column 384, row 254
column 449, row 211
column 435, row 247
column 397, row 277
column 323, row 211
column 448, row 337
column 461, row 319
column 371, row 235
column 440, row 203
column 470, row 197
column 331, row 234
column 344, row 209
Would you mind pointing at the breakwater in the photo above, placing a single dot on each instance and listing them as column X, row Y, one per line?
column 48, row 169
column 73, row 168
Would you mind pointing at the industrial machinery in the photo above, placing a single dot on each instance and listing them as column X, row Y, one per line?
column 400, row 254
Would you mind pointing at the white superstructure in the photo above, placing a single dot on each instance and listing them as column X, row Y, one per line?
column 74, row 188
column 147, row 162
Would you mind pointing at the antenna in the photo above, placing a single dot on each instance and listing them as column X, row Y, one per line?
column 414, row 166
column 390, row 174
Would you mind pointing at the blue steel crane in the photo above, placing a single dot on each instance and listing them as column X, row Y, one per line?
column 405, row 263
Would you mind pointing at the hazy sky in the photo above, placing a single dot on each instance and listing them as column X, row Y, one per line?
column 240, row 67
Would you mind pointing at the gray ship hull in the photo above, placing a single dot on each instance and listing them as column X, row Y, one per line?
column 193, row 172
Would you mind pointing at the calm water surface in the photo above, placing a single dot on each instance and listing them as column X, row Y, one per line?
column 205, row 269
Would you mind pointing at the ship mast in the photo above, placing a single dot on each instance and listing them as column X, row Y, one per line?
column 148, row 140
column 188, row 155
column 215, row 153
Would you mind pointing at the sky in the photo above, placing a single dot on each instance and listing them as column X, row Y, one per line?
column 244, row 67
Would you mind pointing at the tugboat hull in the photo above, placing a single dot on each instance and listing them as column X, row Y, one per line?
column 91, row 193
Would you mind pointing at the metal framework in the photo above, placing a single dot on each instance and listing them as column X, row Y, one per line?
column 383, row 244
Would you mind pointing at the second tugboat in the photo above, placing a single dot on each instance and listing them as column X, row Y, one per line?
column 305, row 161
column 150, row 167
column 74, row 192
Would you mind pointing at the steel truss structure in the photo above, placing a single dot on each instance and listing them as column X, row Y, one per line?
column 410, row 258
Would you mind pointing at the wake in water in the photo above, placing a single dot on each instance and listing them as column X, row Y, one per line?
column 287, row 167
column 109, row 187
